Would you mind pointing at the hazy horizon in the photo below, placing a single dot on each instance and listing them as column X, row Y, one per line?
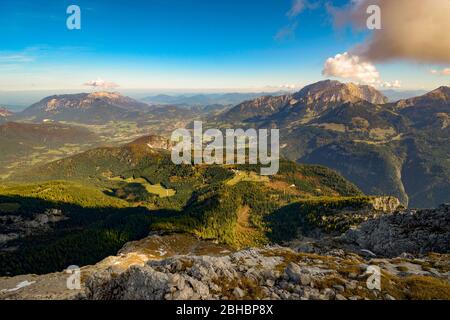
column 16, row 101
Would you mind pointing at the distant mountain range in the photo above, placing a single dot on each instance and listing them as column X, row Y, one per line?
column 309, row 102
column 84, row 107
column 95, row 108
column 399, row 148
column 395, row 95
column 202, row 100
column 386, row 148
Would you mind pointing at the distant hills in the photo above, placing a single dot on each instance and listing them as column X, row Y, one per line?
column 25, row 144
column 149, row 157
column 395, row 95
column 95, row 108
column 63, row 125
column 202, row 100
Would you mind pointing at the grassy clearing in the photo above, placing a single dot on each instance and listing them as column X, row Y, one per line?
column 157, row 189
column 249, row 176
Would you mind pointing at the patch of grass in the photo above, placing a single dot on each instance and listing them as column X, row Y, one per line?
column 328, row 282
column 402, row 268
column 415, row 287
column 157, row 189
column 426, row 288
column 246, row 176
column 252, row 289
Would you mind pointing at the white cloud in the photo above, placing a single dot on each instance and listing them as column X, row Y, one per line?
column 348, row 66
column 290, row 86
column 283, row 87
column 100, row 83
column 391, row 85
column 443, row 72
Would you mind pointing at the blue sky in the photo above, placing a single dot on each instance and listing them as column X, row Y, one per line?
column 176, row 44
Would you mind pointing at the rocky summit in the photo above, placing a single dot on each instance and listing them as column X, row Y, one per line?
column 413, row 231
column 274, row 273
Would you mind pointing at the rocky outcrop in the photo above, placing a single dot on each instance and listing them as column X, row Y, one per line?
column 162, row 267
column 328, row 269
column 13, row 227
column 271, row 273
column 385, row 204
column 336, row 221
column 136, row 253
column 411, row 231
column 179, row 267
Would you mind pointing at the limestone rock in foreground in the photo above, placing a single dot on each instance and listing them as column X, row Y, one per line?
column 136, row 253
column 408, row 231
column 274, row 273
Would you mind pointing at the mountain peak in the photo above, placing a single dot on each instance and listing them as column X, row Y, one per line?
column 257, row 107
column 69, row 107
column 311, row 101
column 105, row 94
column 440, row 95
column 442, row 92
column 331, row 91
